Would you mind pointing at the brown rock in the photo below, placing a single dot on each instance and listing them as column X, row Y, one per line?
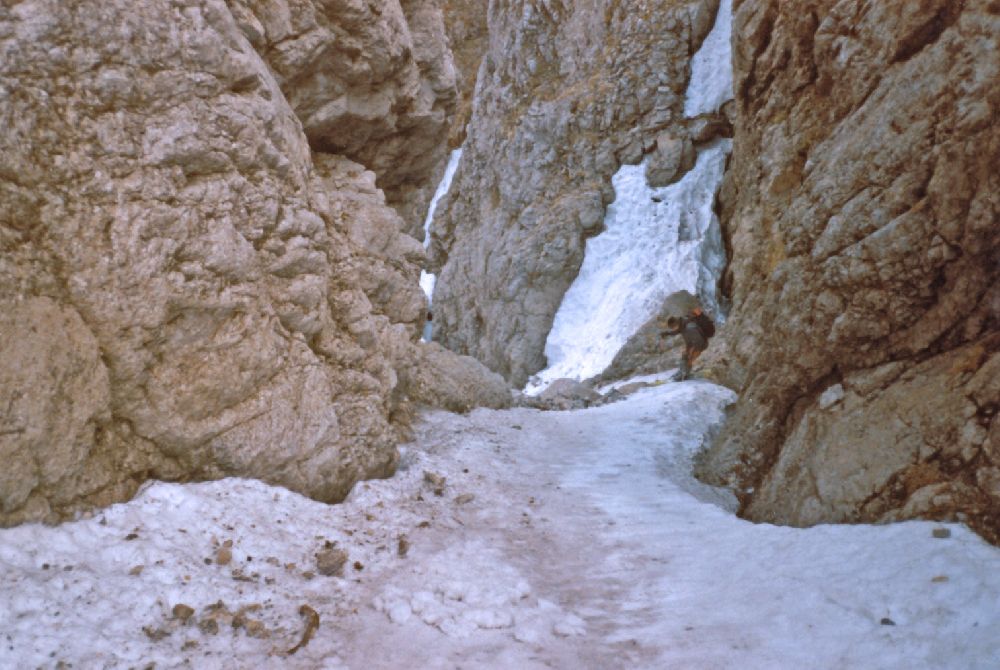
column 224, row 556
column 373, row 82
column 330, row 561
column 186, row 291
column 861, row 213
column 182, row 612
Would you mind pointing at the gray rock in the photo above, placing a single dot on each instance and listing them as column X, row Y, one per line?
column 568, row 394
column 564, row 96
column 670, row 161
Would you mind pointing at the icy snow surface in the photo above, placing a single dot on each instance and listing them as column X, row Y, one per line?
column 656, row 241
column 711, row 82
column 508, row 540
column 427, row 280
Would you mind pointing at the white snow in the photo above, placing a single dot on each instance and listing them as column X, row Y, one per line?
column 559, row 540
column 711, row 82
column 427, row 280
column 656, row 241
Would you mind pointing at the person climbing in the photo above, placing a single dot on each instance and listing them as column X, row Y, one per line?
column 696, row 328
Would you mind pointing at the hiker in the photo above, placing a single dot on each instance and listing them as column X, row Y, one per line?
column 696, row 328
column 428, row 326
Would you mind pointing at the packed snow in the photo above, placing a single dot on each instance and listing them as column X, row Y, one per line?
column 427, row 279
column 656, row 241
column 513, row 539
column 711, row 82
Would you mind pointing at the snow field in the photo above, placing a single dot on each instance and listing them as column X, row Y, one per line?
column 508, row 540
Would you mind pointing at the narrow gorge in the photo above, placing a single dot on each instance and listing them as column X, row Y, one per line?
column 394, row 255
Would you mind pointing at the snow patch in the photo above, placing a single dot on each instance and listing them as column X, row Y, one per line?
column 711, row 82
column 656, row 241
column 427, row 279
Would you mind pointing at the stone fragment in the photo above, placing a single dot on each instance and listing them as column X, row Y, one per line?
column 330, row 561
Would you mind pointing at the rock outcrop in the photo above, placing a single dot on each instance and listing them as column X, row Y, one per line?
column 373, row 81
column 567, row 93
column 186, row 290
column 865, row 233
column 465, row 24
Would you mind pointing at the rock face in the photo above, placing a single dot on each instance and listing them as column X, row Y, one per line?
column 465, row 23
column 186, row 291
column 567, row 93
column 374, row 81
column 863, row 222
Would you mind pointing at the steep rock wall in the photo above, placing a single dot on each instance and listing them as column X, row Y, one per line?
column 185, row 290
column 865, row 232
column 567, row 93
column 374, row 81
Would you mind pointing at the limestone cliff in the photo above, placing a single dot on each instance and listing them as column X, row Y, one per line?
column 567, row 92
column 186, row 290
column 864, row 225
column 374, row 81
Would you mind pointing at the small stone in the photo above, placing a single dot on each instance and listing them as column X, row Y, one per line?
column 255, row 628
column 136, row 570
column 189, row 644
column 939, row 579
column 464, row 498
column 131, row 536
column 941, row 533
column 886, row 621
column 183, row 612
column 403, row 546
column 224, row 555
column 155, row 634
column 208, row 626
column 359, row 566
column 435, row 480
column 330, row 562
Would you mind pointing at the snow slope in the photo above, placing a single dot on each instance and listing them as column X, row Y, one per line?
column 711, row 82
column 656, row 241
column 554, row 540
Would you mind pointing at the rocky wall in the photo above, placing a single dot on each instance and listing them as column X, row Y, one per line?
column 186, row 290
column 567, row 93
column 864, row 227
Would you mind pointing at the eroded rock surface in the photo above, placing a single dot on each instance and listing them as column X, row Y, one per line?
column 185, row 291
column 567, row 93
column 374, row 81
column 863, row 219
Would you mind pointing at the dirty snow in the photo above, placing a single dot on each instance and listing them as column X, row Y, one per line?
column 509, row 539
